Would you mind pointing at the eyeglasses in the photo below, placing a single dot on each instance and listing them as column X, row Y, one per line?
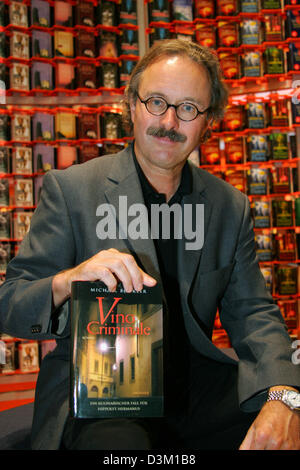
column 184, row 111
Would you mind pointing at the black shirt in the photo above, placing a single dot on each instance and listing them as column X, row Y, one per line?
column 176, row 343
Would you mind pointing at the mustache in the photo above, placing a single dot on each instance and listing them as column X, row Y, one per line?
column 171, row 134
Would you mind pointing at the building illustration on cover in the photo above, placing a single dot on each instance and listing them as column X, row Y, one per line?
column 124, row 365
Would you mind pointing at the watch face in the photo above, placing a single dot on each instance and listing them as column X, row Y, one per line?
column 293, row 398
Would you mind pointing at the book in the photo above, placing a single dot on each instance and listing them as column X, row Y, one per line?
column 261, row 213
column 19, row 76
column 41, row 44
column 117, row 352
column 128, row 12
column 252, row 64
column 258, row 148
column 22, row 160
column 43, row 126
column 18, row 14
column 21, row 127
column 8, row 361
column 264, row 247
column 84, row 14
column 5, row 224
column 40, row 13
column 19, row 45
column 21, row 223
column 159, row 11
column 286, row 280
column 24, row 192
column 28, row 356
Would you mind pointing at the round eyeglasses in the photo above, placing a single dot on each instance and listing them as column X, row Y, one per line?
column 185, row 111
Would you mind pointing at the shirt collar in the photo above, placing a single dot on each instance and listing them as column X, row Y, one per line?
column 185, row 186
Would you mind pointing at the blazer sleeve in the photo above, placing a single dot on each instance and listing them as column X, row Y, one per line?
column 255, row 326
column 26, row 309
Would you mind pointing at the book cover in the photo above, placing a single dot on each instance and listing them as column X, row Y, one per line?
column 41, row 44
column 28, row 356
column 257, row 181
column 19, row 76
column 252, row 64
column 19, row 45
column 42, row 75
column 24, row 192
column 43, row 157
column 21, row 127
column 22, row 160
column 279, row 146
column 128, row 12
column 40, row 13
column 21, row 223
column 86, row 75
column 84, row 14
column 5, row 156
column 5, row 224
column 261, row 213
column 258, row 148
column 18, row 14
column 282, row 212
column 117, row 352
column 159, row 11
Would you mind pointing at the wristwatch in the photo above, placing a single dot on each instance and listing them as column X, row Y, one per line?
column 288, row 397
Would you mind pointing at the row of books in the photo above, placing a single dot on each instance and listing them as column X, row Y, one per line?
column 256, row 182
column 112, row 13
column 48, row 124
column 188, row 10
column 22, row 356
column 265, row 181
column 20, row 192
column 241, row 31
column 45, row 14
column 281, row 246
column 252, row 148
column 65, row 44
column 281, row 280
column 39, row 158
column 258, row 115
column 114, row 72
column 70, row 124
column 42, row 76
column 275, row 213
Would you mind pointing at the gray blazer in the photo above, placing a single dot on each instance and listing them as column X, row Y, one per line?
column 223, row 274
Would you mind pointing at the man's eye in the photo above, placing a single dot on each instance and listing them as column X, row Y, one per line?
column 157, row 102
column 188, row 108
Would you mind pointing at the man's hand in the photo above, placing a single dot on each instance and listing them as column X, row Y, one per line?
column 276, row 428
column 109, row 266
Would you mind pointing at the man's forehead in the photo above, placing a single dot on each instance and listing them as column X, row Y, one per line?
column 152, row 78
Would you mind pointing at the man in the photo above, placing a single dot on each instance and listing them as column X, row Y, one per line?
column 174, row 94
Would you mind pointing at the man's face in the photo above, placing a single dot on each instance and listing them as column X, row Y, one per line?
column 176, row 79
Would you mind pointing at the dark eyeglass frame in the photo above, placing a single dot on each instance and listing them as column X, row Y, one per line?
column 145, row 102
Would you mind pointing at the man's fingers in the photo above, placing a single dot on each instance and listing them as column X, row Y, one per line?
column 247, row 442
column 123, row 268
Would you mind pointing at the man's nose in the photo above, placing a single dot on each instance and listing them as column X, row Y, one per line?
column 169, row 119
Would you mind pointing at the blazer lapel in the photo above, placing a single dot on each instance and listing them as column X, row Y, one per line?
column 189, row 260
column 123, row 192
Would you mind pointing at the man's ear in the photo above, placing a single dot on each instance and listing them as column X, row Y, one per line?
column 132, row 106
